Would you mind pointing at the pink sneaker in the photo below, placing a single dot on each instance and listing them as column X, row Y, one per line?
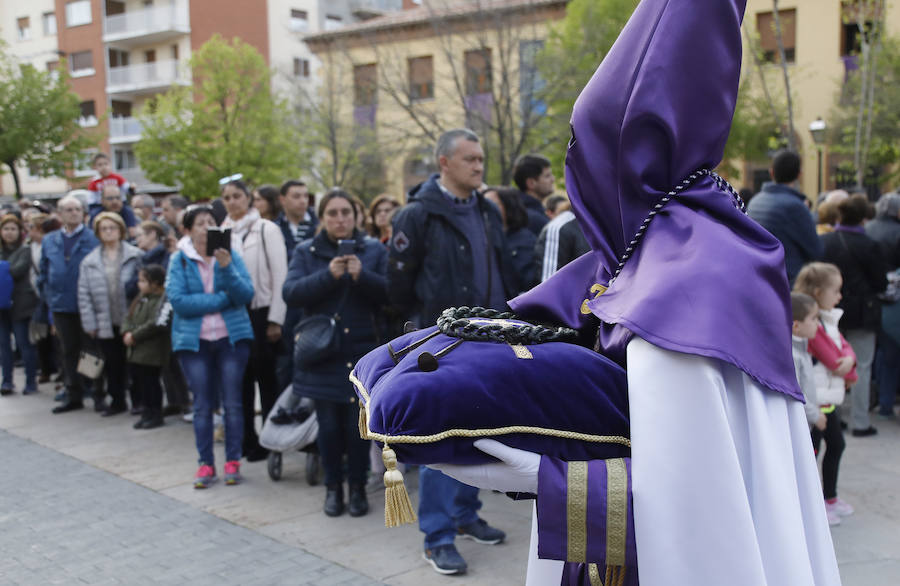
column 839, row 507
column 206, row 475
column 233, row 473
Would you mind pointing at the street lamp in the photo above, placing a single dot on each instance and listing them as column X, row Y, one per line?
column 817, row 130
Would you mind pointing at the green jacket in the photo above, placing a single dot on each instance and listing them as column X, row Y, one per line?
column 151, row 341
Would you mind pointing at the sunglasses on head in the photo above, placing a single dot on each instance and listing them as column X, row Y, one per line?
column 230, row 178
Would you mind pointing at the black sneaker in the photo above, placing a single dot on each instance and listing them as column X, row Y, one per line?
column 864, row 432
column 482, row 533
column 68, row 406
column 445, row 560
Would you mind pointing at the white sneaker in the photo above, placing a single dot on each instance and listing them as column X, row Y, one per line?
column 833, row 518
column 839, row 507
column 188, row 417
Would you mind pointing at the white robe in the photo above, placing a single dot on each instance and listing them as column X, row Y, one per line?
column 725, row 484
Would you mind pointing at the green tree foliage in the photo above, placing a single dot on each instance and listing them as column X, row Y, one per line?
column 342, row 151
column 38, row 120
column 574, row 49
column 755, row 128
column 227, row 123
column 883, row 148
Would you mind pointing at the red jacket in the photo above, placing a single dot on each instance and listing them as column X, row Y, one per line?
column 823, row 349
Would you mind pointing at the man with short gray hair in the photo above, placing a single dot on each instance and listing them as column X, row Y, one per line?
column 143, row 206
column 448, row 249
column 61, row 254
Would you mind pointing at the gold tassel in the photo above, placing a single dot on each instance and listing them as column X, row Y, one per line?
column 397, row 507
column 363, row 422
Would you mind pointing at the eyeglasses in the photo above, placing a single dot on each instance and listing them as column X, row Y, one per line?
column 230, row 178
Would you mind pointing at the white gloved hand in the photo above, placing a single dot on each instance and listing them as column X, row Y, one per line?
column 517, row 470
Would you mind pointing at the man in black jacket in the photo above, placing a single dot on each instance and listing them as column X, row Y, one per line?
column 534, row 178
column 448, row 249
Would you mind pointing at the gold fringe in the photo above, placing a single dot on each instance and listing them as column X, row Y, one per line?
column 398, row 509
column 363, row 422
column 615, row 575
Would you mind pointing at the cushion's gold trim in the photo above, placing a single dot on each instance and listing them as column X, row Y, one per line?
column 487, row 432
column 616, row 511
column 576, row 511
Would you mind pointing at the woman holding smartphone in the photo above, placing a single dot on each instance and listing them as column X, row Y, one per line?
column 262, row 247
column 211, row 336
column 341, row 271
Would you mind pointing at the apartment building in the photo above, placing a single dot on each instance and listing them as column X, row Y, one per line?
column 821, row 47
column 121, row 53
column 441, row 64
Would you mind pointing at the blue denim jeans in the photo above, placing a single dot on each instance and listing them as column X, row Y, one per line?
column 8, row 327
column 887, row 373
column 444, row 505
column 217, row 369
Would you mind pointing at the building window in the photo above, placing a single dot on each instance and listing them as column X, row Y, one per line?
column 765, row 26
column 88, row 114
column 23, row 26
column 851, row 37
column 83, row 163
column 365, row 85
column 175, row 52
column 299, row 22
column 124, row 159
column 301, row 67
column 81, row 64
column 78, row 12
column 332, row 22
column 478, row 72
column 49, row 20
column 421, row 78
column 118, row 58
column 531, row 84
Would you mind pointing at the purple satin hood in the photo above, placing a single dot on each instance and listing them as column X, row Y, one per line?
column 705, row 279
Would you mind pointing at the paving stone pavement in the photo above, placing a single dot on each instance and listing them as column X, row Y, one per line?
column 89, row 499
column 65, row 522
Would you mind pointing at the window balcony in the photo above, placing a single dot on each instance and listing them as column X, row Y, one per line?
column 124, row 130
column 366, row 9
column 147, row 26
column 146, row 78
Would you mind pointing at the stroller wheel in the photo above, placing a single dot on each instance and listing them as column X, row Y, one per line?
column 312, row 469
column 274, row 463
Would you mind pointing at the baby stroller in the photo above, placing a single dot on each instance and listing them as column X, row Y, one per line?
column 291, row 425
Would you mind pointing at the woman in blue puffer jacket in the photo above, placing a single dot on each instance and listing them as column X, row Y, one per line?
column 322, row 281
column 211, row 336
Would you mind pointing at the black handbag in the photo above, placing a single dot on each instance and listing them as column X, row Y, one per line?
column 318, row 337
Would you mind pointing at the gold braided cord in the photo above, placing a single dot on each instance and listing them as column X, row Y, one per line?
column 487, row 432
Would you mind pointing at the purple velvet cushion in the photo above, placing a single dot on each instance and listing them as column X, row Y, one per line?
column 484, row 386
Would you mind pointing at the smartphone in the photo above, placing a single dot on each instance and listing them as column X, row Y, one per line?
column 346, row 247
column 217, row 237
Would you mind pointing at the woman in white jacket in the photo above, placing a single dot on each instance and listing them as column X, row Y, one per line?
column 262, row 247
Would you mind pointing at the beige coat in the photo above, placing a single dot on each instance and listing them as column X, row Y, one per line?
column 262, row 247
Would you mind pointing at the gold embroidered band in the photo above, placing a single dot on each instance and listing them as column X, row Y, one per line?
column 616, row 511
column 576, row 511
column 594, row 575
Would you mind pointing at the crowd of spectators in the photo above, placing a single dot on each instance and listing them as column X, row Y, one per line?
column 123, row 302
column 217, row 329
